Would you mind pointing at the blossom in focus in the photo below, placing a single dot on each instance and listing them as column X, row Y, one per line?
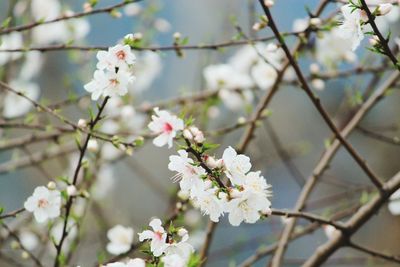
column 121, row 239
column 119, row 56
column 351, row 26
column 165, row 126
column 188, row 174
column 236, row 166
column 109, row 83
column 181, row 247
column 44, row 204
column 158, row 237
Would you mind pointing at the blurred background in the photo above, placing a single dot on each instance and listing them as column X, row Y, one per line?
column 141, row 187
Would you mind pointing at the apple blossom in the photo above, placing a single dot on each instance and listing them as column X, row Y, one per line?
column 44, row 204
column 165, row 126
column 121, row 239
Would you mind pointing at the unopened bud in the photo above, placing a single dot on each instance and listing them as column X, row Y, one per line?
column 25, row 255
column 314, row 68
column 177, row 36
column 187, row 134
column 182, row 232
column 384, row 9
column 71, row 190
column 82, row 123
column 374, row 40
column 269, row 3
column 318, row 84
column 315, row 21
column 87, row 7
column 93, row 146
column 137, row 36
column 51, row 185
column 199, row 138
column 184, row 195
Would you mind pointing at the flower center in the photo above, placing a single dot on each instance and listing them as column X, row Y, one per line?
column 167, row 127
column 121, row 55
column 158, row 235
column 114, row 82
column 42, row 203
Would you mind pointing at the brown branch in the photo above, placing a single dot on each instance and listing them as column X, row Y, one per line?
column 382, row 41
column 64, row 17
column 12, row 214
column 323, row 252
column 374, row 253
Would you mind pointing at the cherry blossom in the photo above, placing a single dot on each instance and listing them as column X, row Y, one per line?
column 158, row 237
column 44, row 204
column 137, row 262
column 173, row 260
column 189, row 175
column 109, row 83
column 236, row 166
column 165, row 126
column 182, row 247
column 351, row 26
column 121, row 239
column 264, row 75
column 119, row 56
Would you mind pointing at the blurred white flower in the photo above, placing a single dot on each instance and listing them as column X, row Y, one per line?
column 56, row 233
column 105, row 182
column 137, row 262
column 224, row 76
column 300, row 25
column 264, row 75
column 44, row 204
column 165, row 126
column 32, row 65
column 394, row 203
column 45, row 9
column 132, row 9
column 121, row 239
column 10, row 41
column 15, row 105
column 28, row 239
column 162, row 25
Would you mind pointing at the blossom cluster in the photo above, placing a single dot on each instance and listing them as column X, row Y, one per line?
column 246, row 199
column 171, row 246
column 114, row 72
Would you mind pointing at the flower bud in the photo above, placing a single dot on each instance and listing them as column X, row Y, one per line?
column 137, row 36
column 374, row 40
column 93, row 146
column 315, row 21
column 184, row 195
column 177, row 36
column 271, row 47
column 51, row 185
column 318, row 84
column 87, row 7
column 269, row 3
column 25, row 255
column 199, row 138
column 258, row 26
column 71, row 190
column 211, row 162
column 314, row 68
column 82, row 123
column 384, row 9
column 187, row 134
column 182, row 232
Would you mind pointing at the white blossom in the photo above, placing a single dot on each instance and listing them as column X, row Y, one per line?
column 189, row 176
column 10, row 41
column 121, row 239
column 173, row 260
column 264, row 75
column 205, row 197
column 146, row 69
column 28, row 239
column 182, row 247
column 109, row 83
column 351, row 26
column 165, row 126
column 158, row 237
column 137, row 262
column 236, row 166
column 44, row 204
column 119, row 56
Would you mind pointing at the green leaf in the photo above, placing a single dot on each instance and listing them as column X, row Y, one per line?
column 6, row 22
column 208, row 146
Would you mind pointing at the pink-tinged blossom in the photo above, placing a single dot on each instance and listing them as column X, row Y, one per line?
column 188, row 174
column 157, row 237
column 44, row 204
column 165, row 126
column 119, row 56
column 109, row 83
